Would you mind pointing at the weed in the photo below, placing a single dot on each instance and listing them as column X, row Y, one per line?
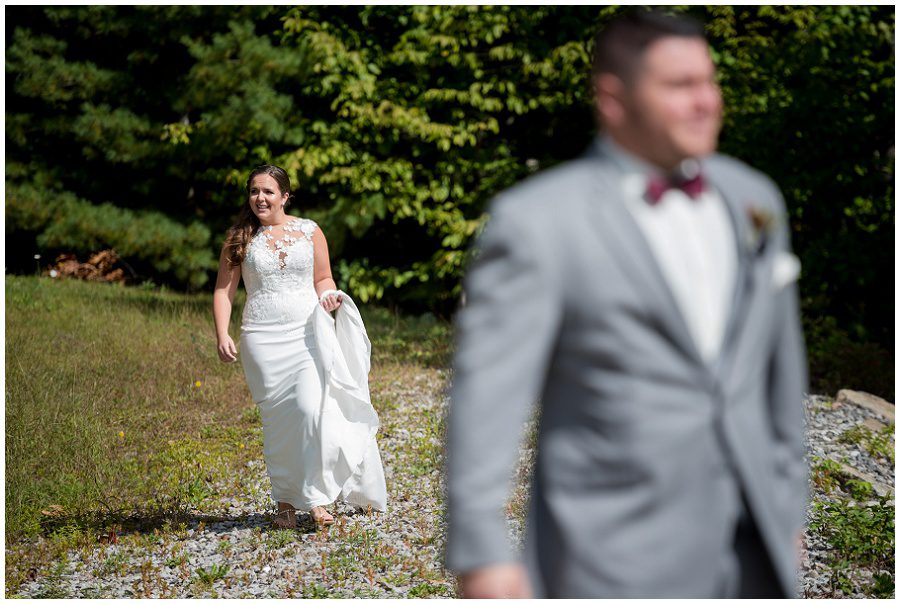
column 208, row 577
column 52, row 586
column 826, row 474
column 854, row 435
column 428, row 589
column 858, row 536
column 179, row 560
column 225, row 546
column 876, row 444
column 883, row 587
column 316, row 591
column 251, row 415
column 860, row 490
column 114, row 564
column 277, row 539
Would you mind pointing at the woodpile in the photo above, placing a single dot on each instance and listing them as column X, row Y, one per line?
column 99, row 267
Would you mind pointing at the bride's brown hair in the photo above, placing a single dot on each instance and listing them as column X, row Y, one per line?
column 239, row 235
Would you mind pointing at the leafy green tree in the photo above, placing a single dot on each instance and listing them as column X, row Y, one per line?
column 418, row 115
column 399, row 123
column 810, row 98
column 145, row 108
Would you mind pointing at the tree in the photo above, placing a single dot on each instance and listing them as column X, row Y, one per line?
column 418, row 116
column 399, row 123
column 157, row 111
column 810, row 97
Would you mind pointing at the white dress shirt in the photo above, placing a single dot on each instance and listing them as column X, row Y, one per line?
column 693, row 242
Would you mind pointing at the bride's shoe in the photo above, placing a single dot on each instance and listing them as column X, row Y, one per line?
column 285, row 519
column 321, row 516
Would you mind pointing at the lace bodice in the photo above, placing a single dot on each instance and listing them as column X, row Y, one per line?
column 278, row 274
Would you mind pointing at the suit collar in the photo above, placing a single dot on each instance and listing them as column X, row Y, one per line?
column 627, row 242
column 627, row 162
column 631, row 247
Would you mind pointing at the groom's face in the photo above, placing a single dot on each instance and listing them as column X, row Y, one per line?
column 672, row 104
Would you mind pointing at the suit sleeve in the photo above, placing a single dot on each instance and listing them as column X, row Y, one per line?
column 504, row 341
column 787, row 386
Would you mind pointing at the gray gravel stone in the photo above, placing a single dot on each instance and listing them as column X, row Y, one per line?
column 262, row 565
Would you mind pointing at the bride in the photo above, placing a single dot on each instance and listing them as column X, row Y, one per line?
column 307, row 372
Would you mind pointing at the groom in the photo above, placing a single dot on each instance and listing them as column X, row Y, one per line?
column 645, row 295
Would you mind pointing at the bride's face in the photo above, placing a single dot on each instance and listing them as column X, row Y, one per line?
column 266, row 199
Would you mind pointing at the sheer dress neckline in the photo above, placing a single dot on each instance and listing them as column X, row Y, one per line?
column 279, row 246
column 278, row 276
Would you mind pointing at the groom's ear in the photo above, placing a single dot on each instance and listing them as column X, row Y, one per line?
column 609, row 101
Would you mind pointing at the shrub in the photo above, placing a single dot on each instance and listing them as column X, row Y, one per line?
column 60, row 221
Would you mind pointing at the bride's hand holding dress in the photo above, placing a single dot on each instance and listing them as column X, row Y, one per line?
column 318, row 423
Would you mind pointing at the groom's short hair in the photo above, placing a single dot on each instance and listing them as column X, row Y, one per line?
column 619, row 47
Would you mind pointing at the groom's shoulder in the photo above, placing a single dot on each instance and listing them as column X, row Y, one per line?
column 552, row 190
column 739, row 173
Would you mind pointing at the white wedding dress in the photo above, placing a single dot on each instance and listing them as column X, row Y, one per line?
column 308, row 373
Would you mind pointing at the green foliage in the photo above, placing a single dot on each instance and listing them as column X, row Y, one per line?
column 857, row 537
column 883, row 587
column 860, row 490
column 826, row 474
column 158, row 111
column 838, row 361
column 179, row 560
column 421, row 114
column 809, row 93
column 399, row 123
column 66, row 223
column 209, row 576
column 316, row 591
column 876, row 444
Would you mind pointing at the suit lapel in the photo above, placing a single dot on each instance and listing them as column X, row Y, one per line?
column 624, row 239
column 743, row 290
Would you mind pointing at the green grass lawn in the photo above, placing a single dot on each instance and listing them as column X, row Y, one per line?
column 118, row 411
column 119, row 414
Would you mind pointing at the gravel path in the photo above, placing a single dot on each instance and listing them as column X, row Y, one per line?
column 229, row 548
column 826, row 422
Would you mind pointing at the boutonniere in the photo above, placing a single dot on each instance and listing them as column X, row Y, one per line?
column 762, row 225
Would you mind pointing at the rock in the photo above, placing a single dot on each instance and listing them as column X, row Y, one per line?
column 880, row 488
column 867, row 401
column 874, row 425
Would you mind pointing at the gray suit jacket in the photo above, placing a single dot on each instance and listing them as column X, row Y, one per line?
column 644, row 450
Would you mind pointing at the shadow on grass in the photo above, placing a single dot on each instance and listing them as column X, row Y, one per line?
column 105, row 523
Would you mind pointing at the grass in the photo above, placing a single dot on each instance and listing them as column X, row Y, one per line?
column 120, row 420
column 96, row 374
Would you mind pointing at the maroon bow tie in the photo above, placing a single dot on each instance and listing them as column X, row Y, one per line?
column 658, row 185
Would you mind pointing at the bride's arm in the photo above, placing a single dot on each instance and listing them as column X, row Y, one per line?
column 322, row 271
column 226, row 284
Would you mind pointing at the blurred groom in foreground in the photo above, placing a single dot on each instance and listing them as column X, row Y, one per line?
column 646, row 295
